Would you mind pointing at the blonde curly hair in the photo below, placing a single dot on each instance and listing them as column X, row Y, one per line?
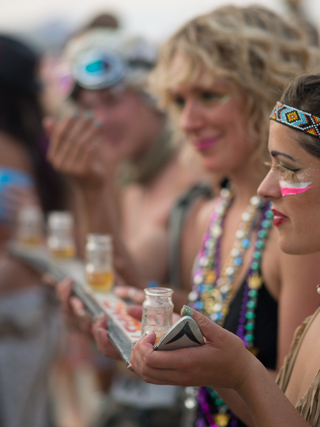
column 251, row 47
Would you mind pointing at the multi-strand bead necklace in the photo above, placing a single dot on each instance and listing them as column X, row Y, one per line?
column 213, row 288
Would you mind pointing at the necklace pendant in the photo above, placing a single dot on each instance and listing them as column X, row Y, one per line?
column 255, row 281
column 225, row 311
column 253, row 350
column 208, row 305
column 221, row 420
column 210, row 277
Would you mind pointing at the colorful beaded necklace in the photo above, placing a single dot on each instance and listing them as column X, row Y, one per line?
column 212, row 289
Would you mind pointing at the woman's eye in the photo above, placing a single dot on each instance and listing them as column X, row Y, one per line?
column 178, row 101
column 287, row 173
column 210, row 96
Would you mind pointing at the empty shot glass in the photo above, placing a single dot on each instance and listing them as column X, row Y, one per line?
column 157, row 311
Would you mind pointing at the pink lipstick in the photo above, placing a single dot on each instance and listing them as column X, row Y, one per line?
column 205, row 143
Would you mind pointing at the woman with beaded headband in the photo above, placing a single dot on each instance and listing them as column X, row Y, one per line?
column 293, row 187
column 220, row 76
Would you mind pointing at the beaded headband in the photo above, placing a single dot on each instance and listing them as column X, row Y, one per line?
column 297, row 119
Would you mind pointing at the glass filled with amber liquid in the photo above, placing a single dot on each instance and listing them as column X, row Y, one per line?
column 60, row 241
column 30, row 227
column 99, row 262
column 157, row 311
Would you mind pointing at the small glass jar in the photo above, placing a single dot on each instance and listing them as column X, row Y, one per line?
column 60, row 240
column 99, row 262
column 30, row 226
column 157, row 311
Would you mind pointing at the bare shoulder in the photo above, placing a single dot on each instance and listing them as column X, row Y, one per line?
column 13, row 154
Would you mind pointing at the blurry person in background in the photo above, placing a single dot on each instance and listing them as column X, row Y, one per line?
column 29, row 319
column 117, row 149
column 52, row 60
column 103, row 20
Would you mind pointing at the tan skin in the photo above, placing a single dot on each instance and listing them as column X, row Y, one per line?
column 223, row 360
column 88, row 149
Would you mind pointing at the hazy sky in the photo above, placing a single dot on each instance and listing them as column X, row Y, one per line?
column 155, row 18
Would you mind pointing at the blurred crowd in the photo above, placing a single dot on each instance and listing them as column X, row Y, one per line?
column 86, row 130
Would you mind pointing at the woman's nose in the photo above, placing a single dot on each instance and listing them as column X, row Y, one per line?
column 191, row 117
column 270, row 188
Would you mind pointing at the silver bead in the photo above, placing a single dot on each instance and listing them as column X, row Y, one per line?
column 240, row 234
column 229, row 271
column 245, row 216
column 224, row 289
column 225, row 193
column 203, row 261
column 216, row 231
column 198, row 279
column 217, row 308
column 190, row 403
column 255, row 201
column 235, row 252
column 193, row 296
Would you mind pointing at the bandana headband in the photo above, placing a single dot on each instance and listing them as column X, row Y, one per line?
column 297, row 119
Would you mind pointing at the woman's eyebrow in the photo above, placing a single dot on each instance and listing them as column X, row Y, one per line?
column 278, row 153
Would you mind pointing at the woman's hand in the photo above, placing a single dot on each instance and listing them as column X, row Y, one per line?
column 99, row 330
column 129, row 293
column 72, row 307
column 75, row 148
column 223, row 361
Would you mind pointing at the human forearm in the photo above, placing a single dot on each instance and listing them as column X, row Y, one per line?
column 265, row 401
column 237, row 405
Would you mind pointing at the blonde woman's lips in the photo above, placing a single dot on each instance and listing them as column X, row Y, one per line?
column 205, row 143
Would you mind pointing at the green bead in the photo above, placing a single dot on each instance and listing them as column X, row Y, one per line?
column 249, row 337
column 250, row 315
column 262, row 234
column 251, row 304
column 249, row 326
column 255, row 265
column 219, row 402
column 253, row 292
column 269, row 214
column 260, row 244
column 266, row 223
column 256, row 255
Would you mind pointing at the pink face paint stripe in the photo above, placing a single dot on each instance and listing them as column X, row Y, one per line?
column 288, row 189
column 293, row 191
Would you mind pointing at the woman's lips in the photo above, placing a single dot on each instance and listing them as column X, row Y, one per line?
column 205, row 143
column 279, row 218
